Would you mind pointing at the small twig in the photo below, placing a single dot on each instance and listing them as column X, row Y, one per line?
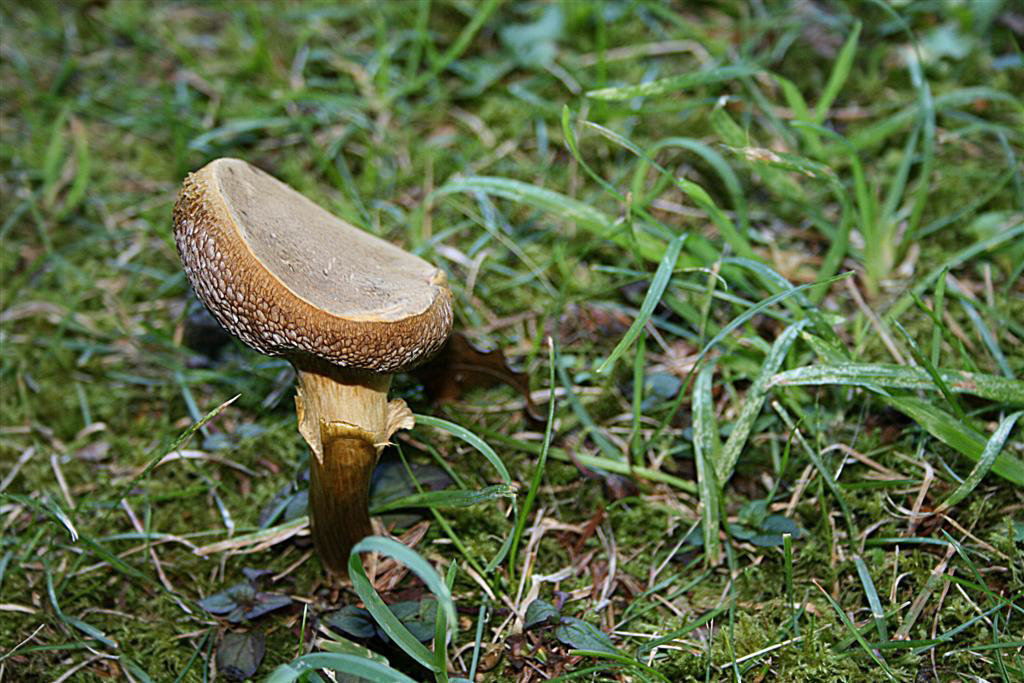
column 152, row 554
column 292, row 567
column 25, row 456
column 801, row 485
column 917, row 607
column 876, row 322
column 258, row 541
column 61, row 481
column 81, row 665
column 929, row 475
column 860, row 457
column 974, row 538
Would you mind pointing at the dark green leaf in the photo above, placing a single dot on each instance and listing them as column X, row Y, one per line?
column 417, row 616
column 266, row 602
column 781, row 525
column 243, row 601
column 539, row 612
column 239, row 654
column 227, row 600
column 297, row 506
column 355, row 621
column 391, row 482
column 581, row 635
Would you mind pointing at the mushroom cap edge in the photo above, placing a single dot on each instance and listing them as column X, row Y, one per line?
column 259, row 309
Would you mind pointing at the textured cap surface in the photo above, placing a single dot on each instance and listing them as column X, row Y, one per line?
column 287, row 277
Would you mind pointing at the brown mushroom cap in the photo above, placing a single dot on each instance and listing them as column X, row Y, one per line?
column 290, row 279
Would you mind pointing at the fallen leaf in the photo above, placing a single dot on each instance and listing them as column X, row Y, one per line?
column 591, row 321
column 617, row 486
column 239, row 654
column 460, row 366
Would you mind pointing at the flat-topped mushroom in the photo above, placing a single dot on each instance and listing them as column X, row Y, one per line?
column 346, row 308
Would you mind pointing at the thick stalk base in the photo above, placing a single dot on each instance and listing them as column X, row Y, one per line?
column 339, row 493
column 346, row 419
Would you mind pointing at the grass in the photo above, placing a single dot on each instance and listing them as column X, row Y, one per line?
column 760, row 262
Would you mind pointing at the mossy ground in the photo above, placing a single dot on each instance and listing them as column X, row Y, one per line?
column 375, row 110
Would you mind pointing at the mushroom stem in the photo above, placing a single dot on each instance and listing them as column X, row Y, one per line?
column 346, row 419
column 339, row 493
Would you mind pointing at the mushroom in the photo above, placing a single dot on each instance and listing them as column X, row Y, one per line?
column 345, row 308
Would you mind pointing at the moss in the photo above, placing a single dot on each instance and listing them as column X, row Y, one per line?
column 92, row 299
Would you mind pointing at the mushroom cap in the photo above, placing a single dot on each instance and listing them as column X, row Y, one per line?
column 290, row 279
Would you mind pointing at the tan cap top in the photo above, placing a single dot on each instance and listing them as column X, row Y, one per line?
column 289, row 278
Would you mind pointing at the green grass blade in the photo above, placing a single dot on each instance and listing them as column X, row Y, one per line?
column 712, row 158
column 698, row 194
column 840, row 72
column 988, row 457
column 649, row 645
column 891, row 376
column 470, row 438
column 640, row 669
column 571, row 210
column 673, row 84
column 866, row 204
column 939, row 327
column 538, row 471
column 934, row 374
column 492, row 457
column 223, row 135
column 927, row 108
column 458, row 46
column 83, row 169
column 391, row 625
column 727, row 129
column 662, row 276
column 353, row 665
column 983, row 330
column 617, row 465
column 855, row 632
column 801, row 115
column 639, row 377
column 53, row 159
column 954, row 261
column 732, row 237
column 706, row 450
column 766, row 159
column 878, row 132
column 787, row 554
column 446, row 499
column 581, row 412
column 956, row 435
column 827, row 477
column 754, row 401
column 442, row 634
column 83, row 626
column 877, row 613
column 540, row 198
column 638, row 241
column 751, row 312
